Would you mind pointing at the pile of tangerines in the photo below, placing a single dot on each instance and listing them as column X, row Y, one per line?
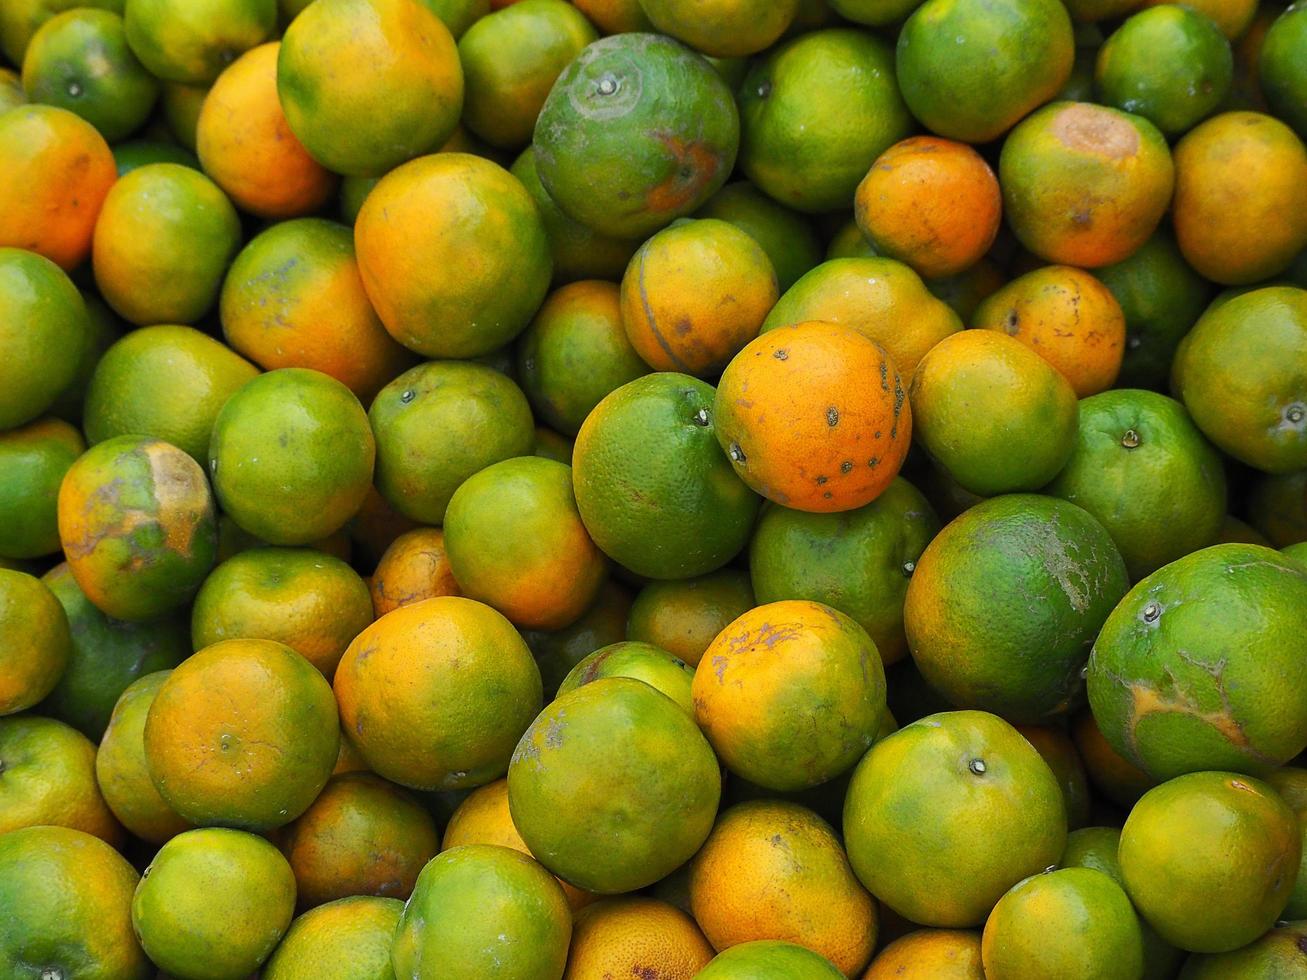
column 740, row 489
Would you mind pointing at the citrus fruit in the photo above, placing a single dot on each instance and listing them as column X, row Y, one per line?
column 106, row 656
column 858, row 562
column 79, row 60
column 453, row 255
column 244, row 734
column 873, row 13
column 1291, row 783
column 575, row 352
column 1145, row 471
column 414, row 567
column 137, row 524
column 192, row 41
column 434, row 695
column 168, row 382
column 931, row 203
column 1073, row 923
column 1242, row 374
column 1240, row 207
column 11, row 89
column 165, row 236
column 1206, row 834
column 684, row 616
column 369, row 84
column 1114, row 776
column 638, row 782
column 695, row 294
column 35, row 640
column 104, row 329
column 180, row 106
column 121, row 770
column 775, row 870
column 510, row 61
column 1161, row 298
column 361, row 836
column 20, row 19
column 636, row 131
column 1019, row 425
column 1169, row 64
column 291, row 456
column 67, row 899
column 765, row 678
column 814, row 114
column 1196, row 667
column 1005, row 602
column 881, row 298
column 44, row 329
column 1058, row 750
column 785, row 235
column 438, row 424
column 1233, row 17
column 949, row 812
column 49, row 779
column 1280, row 69
column 516, row 542
column 975, row 91
column 663, row 672
column 929, row 954
column 1278, row 953
column 769, row 959
column 444, row 930
column 483, row 818
column 630, row 936
column 654, row 489
column 58, row 170
column 133, row 154
column 347, row 939
column 1278, row 505
column 313, row 603
column 246, row 146
column 34, row 459
column 722, row 28
column 1083, row 184
column 213, row 904
column 804, row 422
column 458, row 15
column 615, row 16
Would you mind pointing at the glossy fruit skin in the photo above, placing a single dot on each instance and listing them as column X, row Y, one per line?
column 1280, row 68
column 444, row 930
column 775, row 666
column 1175, row 487
column 34, row 458
column 79, row 60
column 1181, row 680
column 814, row 115
column 1242, row 374
column 316, row 449
column 157, row 524
column 44, row 329
column 191, row 41
column 786, row 236
column 1277, row 953
column 965, row 92
column 1203, row 834
column 466, row 280
column 67, row 897
column 619, row 935
column 1240, row 208
column 1170, row 65
column 968, row 617
column 347, row 938
column 1026, row 412
column 37, row 641
column 639, row 782
column 162, row 244
column 369, row 84
column 439, row 423
column 929, row 954
column 992, row 825
column 1073, row 922
column 628, row 161
column 660, row 519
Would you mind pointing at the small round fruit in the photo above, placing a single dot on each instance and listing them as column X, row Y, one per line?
column 769, row 674
column 722, row 28
column 996, row 816
column 34, row 459
column 685, row 615
column 929, row 954
column 1206, row 834
column 765, row 959
column 786, row 236
column 1198, row 666
column 1281, row 69
column 445, row 929
column 620, row 937
column 291, row 456
column 35, row 643
column 643, row 661
column 638, row 782
column 192, row 41
column 414, row 567
column 49, row 779
column 347, row 939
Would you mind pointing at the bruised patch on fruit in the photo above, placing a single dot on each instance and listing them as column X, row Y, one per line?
column 696, row 165
column 1092, row 129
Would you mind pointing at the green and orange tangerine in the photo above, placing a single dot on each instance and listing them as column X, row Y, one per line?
column 35, row 641
column 192, row 41
column 34, row 459
column 643, row 661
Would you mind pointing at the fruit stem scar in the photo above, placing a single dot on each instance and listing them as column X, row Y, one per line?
column 1131, row 439
column 977, row 766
